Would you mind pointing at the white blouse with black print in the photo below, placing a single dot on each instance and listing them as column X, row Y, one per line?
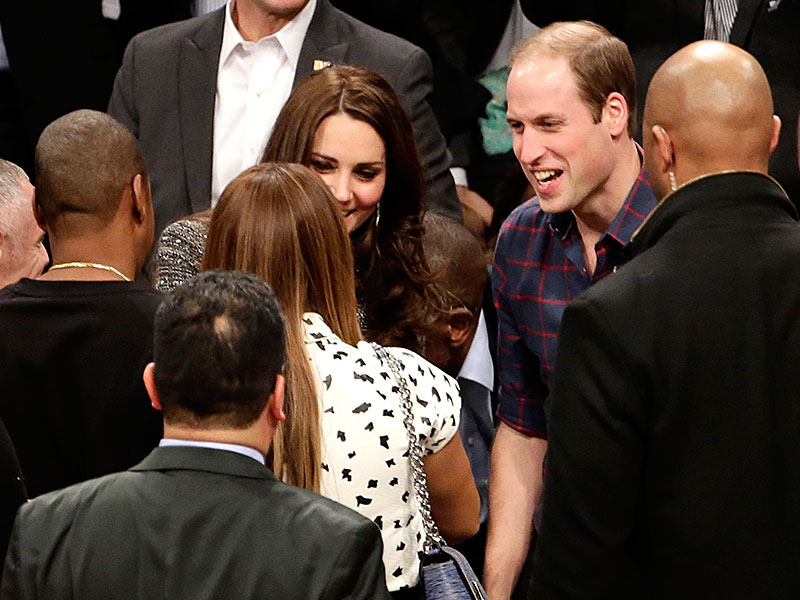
column 365, row 461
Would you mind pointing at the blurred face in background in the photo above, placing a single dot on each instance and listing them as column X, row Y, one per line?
column 22, row 252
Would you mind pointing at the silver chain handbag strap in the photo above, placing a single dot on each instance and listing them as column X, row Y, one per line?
column 433, row 539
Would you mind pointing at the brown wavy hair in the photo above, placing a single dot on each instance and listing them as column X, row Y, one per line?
column 281, row 222
column 393, row 280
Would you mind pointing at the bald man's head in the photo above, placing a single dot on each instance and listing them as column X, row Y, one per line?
column 708, row 109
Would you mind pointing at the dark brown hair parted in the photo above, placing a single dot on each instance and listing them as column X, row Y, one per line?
column 393, row 280
column 281, row 222
column 601, row 62
column 84, row 161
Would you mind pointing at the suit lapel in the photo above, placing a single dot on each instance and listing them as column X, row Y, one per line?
column 197, row 87
column 745, row 18
column 323, row 41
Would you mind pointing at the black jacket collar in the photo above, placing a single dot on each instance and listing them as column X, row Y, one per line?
column 188, row 458
column 748, row 195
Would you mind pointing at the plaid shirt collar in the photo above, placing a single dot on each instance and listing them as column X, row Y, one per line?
column 635, row 208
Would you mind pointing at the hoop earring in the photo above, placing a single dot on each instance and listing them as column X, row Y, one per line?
column 377, row 215
column 673, row 182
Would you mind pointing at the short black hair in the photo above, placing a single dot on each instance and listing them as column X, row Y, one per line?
column 219, row 344
column 84, row 161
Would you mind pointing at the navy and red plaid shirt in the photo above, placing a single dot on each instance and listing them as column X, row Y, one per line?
column 538, row 270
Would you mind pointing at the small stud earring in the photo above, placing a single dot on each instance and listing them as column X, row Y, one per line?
column 673, row 182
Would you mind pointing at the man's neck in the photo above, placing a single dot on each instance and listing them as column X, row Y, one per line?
column 255, row 22
column 593, row 220
column 117, row 263
column 252, row 437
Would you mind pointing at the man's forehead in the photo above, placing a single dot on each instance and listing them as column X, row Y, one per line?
column 541, row 66
column 540, row 85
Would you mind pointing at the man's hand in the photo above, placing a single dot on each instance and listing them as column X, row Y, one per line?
column 476, row 211
column 515, row 488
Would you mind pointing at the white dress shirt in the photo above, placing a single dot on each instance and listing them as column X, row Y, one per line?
column 254, row 81
column 478, row 365
column 237, row 448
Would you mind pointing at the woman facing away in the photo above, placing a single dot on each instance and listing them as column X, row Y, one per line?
column 348, row 125
column 344, row 434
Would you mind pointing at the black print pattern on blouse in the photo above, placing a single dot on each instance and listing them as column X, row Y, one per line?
column 362, row 423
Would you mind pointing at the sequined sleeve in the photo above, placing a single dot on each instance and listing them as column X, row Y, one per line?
column 179, row 253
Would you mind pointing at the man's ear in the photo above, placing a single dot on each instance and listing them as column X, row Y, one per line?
column 615, row 114
column 776, row 132
column 141, row 194
column 275, row 402
column 37, row 213
column 460, row 325
column 666, row 152
column 149, row 378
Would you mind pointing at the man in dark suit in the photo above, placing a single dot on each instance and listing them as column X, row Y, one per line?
column 655, row 29
column 201, row 516
column 168, row 93
column 674, row 456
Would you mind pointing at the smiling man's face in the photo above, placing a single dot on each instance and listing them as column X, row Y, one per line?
column 565, row 155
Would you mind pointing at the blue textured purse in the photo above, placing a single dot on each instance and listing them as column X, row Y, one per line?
column 444, row 572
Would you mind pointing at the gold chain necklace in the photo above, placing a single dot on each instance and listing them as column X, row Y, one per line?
column 89, row 265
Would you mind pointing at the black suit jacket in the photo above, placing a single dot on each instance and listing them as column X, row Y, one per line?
column 12, row 487
column 165, row 91
column 655, row 29
column 192, row 523
column 674, row 452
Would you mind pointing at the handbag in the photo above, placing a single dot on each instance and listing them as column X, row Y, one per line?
column 444, row 572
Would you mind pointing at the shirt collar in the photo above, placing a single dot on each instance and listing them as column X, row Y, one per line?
column 638, row 204
column 245, row 450
column 478, row 366
column 290, row 37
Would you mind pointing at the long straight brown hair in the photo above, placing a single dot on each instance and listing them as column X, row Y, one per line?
column 281, row 222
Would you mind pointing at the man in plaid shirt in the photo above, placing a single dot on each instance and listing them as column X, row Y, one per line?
column 571, row 106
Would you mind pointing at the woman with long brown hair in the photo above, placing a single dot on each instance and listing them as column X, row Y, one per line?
column 344, row 435
column 348, row 125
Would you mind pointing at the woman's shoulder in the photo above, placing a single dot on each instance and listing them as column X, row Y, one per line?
column 187, row 227
column 179, row 252
column 415, row 365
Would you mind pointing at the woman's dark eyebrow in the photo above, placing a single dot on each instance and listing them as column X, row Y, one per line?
column 324, row 157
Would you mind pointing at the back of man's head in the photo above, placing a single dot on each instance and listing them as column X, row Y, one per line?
column 21, row 251
column 219, row 344
column 600, row 62
column 452, row 250
column 708, row 109
column 457, row 257
column 84, row 162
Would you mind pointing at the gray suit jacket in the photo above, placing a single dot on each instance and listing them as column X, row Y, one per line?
column 191, row 523
column 165, row 91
